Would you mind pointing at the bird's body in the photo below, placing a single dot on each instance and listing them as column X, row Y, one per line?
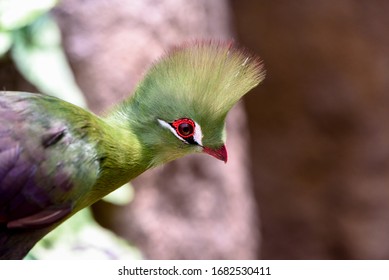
column 56, row 158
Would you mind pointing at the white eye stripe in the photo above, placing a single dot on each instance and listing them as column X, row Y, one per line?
column 197, row 136
column 168, row 126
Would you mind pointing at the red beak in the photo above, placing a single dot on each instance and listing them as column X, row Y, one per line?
column 220, row 153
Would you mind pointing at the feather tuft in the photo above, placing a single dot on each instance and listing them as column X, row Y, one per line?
column 205, row 77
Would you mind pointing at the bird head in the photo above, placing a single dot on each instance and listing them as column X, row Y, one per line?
column 183, row 100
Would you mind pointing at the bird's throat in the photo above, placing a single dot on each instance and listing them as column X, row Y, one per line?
column 121, row 157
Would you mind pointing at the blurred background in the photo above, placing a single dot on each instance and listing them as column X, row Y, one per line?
column 308, row 170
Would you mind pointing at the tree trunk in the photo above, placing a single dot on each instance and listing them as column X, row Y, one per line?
column 318, row 124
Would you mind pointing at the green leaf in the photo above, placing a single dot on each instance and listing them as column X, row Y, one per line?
column 15, row 14
column 5, row 42
column 121, row 196
column 38, row 55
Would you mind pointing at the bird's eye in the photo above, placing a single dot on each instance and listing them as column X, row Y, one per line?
column 184, row 127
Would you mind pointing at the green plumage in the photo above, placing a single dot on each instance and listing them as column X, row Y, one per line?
column 56, row 158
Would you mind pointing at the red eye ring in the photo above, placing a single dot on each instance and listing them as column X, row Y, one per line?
column 184, row 127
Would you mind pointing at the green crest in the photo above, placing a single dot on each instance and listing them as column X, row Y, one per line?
column 200, row 79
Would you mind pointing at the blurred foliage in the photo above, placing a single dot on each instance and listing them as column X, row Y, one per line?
column 16, row 14
column 121, row 196
column 33, row 39
column 82, row 238
column 38, row 55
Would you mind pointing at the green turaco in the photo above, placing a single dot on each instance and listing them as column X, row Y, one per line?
column 56, row 158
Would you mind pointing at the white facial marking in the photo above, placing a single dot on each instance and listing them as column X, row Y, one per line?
column 197, row 136
column 168, row 126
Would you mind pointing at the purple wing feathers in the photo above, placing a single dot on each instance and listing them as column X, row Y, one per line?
column 21, row 194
